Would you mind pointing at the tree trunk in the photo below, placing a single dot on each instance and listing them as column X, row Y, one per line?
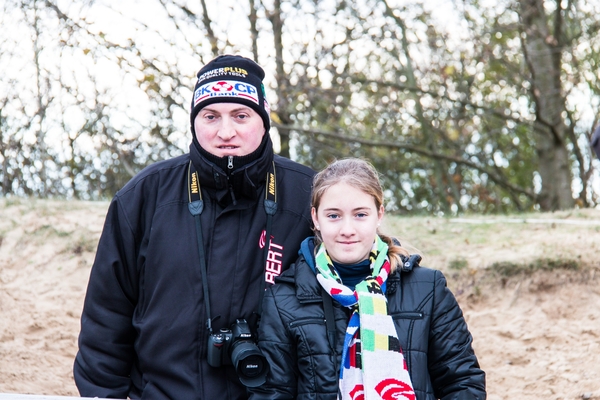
column 282, row 78
column 543, row 55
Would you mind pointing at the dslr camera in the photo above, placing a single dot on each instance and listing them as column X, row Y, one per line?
column 236, row 347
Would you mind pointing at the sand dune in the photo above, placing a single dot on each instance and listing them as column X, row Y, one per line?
column 537, row 337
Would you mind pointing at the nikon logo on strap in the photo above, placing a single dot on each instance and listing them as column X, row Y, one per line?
column 194, row 183
column 271, row 184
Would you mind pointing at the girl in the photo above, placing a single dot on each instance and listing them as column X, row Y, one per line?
column 356, row 317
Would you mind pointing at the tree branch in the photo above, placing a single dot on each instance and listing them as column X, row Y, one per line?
column 414, row 149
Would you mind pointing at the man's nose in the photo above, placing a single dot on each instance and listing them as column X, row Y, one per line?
column 227, row 129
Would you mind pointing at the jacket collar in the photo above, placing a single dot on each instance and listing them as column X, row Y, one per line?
column 308, row 289
column 240, row 185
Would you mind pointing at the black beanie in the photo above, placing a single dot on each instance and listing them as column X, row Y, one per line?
column 231, row 79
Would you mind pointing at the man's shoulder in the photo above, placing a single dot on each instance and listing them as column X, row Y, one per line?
column 293, row 166
column 155, row 170
column 182, row 160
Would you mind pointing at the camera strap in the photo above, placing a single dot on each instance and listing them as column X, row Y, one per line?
column 196, row 206
column 270, row 204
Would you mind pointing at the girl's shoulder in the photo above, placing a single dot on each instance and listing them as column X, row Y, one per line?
column 423, row 278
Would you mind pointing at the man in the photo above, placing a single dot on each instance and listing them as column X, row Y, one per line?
column 146, row 325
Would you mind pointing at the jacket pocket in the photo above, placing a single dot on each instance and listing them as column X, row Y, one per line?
column 306, row 321
column 141, row 306
column 407, row 315
column 310, row 336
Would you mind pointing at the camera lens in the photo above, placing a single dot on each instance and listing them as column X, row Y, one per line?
column 250, row 365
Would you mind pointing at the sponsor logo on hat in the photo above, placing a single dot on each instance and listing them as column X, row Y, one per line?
column 234, row 89
column 231, row 71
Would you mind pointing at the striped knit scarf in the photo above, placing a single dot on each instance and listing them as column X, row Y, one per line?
column 373, row 366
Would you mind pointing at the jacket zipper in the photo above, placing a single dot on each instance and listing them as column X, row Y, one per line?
column 230, row 167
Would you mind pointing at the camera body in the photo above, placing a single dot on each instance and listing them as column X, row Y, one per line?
column 236, row 347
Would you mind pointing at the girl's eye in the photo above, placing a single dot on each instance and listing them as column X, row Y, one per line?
column 361, row 215
column 333, row 216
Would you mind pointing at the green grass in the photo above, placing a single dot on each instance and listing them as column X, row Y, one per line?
column 510, row 269
column 512, row 243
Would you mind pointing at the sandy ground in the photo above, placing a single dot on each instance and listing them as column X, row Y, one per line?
column 537, row 337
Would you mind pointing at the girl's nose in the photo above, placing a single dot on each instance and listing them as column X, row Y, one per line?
column 347, row 227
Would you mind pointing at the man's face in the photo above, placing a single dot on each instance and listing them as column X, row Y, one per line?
column 229, row 129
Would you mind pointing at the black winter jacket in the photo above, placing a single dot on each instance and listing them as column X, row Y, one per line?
column 432, row 331
column 143, row 326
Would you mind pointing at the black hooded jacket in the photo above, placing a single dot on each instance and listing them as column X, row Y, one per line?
column 143, row 326
column 434, row 336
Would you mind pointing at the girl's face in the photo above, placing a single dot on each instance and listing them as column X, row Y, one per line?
column 348, row 219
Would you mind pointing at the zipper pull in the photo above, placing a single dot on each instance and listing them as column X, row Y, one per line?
column 230, row 162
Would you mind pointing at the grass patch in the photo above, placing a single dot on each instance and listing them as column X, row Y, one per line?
column 458, row 264
column 83, row 245
column 510, row 269
column 46, row 231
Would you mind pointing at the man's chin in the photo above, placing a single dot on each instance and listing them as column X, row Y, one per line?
column 227, row 152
